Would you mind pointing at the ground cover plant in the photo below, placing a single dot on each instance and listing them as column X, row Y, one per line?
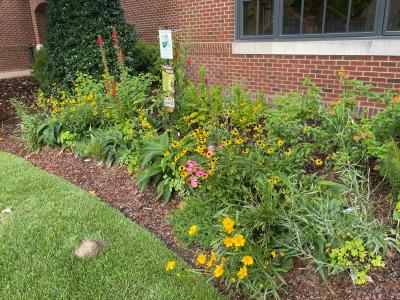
column 260, row 183
column 48, row 219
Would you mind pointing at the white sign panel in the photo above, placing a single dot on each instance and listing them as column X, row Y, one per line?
column 166, row 46
column 169, row 102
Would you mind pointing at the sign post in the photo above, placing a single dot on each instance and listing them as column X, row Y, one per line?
column 168, row 76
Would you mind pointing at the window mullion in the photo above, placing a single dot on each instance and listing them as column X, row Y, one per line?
column 324, row 16
column 349, row 16
column 301, row 17
column 258, row 18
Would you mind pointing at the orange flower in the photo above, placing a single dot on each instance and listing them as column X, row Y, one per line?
column 364, row 135
column 395, row 99
column 332, row 112
column 355, row 138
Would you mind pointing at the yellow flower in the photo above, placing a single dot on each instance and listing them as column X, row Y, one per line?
column 228, row 224
column 319, row 162
column 166, row 153
column 282, row 254
column 170, row 265
column 227, row 143
column 192, row 230
column 232, row 280
column 307, row 128
column 201, row 259
column 273, row 253
column 247, row 260
column 280, row 142
column 238, row 240
column 218, row 271
column 245, row 151
column 242, row 273
column 235, row 132
column 261, row 144
column 209, row 264
column 288, row 152
column 213, row 256
column 398, row 206
column 228, row 241
column 270, row 150
column 238, row 141
column 175, row 144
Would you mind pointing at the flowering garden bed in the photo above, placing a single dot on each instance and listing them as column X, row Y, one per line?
column 262, row 186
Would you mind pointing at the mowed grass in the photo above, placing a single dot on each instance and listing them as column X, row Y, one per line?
column 50, row 217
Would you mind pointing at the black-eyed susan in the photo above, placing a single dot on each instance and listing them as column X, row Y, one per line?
column 318, row 162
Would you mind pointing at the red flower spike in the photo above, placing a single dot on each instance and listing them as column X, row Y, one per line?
column 115, row 36
column 121, row 57
column 100, row 41
column 114, row 89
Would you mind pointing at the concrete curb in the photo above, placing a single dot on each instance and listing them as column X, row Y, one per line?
column 14, row 74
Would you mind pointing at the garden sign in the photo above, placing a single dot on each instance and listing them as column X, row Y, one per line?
column 168, row 76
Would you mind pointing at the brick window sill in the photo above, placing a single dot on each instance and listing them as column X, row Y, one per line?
column 381, row 47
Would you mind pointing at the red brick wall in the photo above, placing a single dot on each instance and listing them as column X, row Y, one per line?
column 16, row 32
column 40, row 15
column 210, row 27
column 149, row 16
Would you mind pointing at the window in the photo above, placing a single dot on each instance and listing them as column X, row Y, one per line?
column 393, row 19
column 285, row 19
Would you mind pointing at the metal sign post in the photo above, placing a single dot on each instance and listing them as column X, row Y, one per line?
column 168, row 76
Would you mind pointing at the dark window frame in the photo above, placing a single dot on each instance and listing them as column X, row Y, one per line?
column 379, row 29
column 386, row 32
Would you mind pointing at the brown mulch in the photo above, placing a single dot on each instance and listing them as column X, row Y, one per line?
column 22, row 89
column 117, row 188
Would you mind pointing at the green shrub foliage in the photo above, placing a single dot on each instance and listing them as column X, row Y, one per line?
column 40, row 68
column 72, row 30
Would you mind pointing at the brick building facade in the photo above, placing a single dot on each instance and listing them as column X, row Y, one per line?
column 217, row 40
column 21, row 29
column 210, row 28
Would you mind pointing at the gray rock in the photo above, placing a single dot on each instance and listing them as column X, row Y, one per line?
column 89, row 248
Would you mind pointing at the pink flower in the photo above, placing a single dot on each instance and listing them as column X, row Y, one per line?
column 211, row 150
column 193, row 181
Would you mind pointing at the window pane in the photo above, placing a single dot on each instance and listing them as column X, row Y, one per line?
column 291, row 17
column 394, row 16
column 336, row 15
column 313, row 14
column 362, row 16
column 266, row 16
column 249, row 17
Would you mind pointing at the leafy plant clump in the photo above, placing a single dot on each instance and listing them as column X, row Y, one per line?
column 261, row 184
column 72, row 28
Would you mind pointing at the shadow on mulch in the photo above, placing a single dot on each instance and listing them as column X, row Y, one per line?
column 22, row 89
column 116, row 187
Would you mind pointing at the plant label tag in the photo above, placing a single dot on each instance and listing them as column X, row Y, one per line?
column 166, row 46
column 169, row 102
column 168, row 80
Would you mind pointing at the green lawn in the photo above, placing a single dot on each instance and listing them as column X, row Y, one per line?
column 51, row 217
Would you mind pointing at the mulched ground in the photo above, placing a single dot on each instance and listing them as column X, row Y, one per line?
column 116, row 187
column 22, row 89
